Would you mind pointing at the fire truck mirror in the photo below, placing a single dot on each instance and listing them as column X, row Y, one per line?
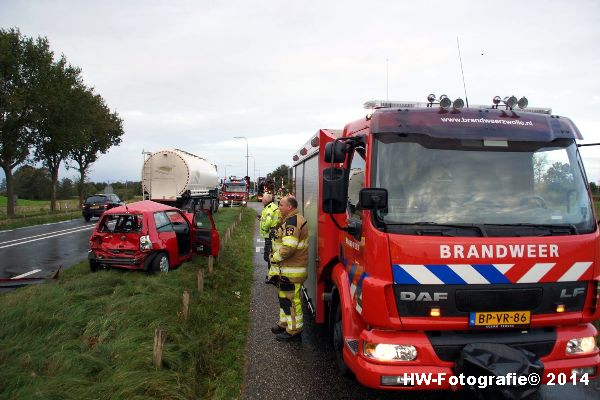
column 373, row 198
column 336, row 152
column 335, row 190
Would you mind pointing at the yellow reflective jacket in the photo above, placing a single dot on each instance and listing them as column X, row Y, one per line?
column 290, row 247
column 269, row 218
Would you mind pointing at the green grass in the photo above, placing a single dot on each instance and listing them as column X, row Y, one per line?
column 46, row 218
column 90, row 336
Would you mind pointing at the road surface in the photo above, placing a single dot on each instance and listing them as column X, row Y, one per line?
column 37, row 251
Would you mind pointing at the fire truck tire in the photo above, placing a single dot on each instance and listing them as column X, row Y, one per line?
column 338, row 343
column 161, row 263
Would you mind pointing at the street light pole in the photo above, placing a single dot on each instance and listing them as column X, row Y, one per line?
column 254, row 171
column 244, row 137
column 225, row 166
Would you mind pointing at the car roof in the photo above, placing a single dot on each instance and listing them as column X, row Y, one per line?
column 140, row 206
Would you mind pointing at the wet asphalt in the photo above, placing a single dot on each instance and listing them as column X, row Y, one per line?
column 307, row 369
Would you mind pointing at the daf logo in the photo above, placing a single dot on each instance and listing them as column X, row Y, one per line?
column 423, row 296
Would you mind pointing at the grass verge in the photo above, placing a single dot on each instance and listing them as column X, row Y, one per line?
column 91, row 335
column 46, row 218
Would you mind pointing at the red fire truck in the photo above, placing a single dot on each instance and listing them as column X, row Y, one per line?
column 234, row 192
column 436, row 227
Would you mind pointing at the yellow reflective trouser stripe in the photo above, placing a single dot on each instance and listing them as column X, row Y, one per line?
column 303, row 244
column 289, row 241
column 277, row 257
column 294, row 321
column 293, row 270
column 273, row 270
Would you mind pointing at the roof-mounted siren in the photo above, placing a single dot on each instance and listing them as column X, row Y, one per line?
column 445, row 103
column 510, row 102
column 295, row 158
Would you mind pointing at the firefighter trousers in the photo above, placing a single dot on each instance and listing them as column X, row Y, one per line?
column 290, row 307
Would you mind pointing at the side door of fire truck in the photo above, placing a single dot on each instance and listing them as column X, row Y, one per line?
column 354, row 243
column 206, row 239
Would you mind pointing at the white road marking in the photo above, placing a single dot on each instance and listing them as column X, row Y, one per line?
column 43, row 234
column 259, row 249
column 46, row 237
column 26, row 274
column 260, row 240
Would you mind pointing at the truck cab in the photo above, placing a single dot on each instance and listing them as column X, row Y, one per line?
column 439, row 226
column 234, row 192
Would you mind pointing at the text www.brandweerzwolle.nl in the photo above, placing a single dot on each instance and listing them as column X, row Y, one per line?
column 487, row 121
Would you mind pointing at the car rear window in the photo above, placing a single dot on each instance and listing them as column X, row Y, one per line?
column 95, row 199
column 123, row 223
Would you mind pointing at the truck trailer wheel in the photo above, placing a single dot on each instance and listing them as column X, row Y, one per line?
column 338, row 343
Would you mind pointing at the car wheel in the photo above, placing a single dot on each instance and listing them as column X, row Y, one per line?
column 87, row 218
column 161, row 263
column 338, row 343
column 94, row 266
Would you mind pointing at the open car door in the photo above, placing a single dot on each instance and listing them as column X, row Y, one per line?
column 205, row 237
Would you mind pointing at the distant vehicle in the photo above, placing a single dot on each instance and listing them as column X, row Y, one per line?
column 234, row 192
column 180, row 179
column 96, row 205
column 151, row 236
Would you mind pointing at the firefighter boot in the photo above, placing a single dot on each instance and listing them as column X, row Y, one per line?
column 276, row 329
column 286, row 337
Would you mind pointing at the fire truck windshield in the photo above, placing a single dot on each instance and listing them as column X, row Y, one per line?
column 482, row 186
column 235, row 187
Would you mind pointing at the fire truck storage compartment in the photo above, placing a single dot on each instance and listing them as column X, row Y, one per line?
column 306, row 175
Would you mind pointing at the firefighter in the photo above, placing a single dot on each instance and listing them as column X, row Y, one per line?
column 289, row 258
column 269, row 219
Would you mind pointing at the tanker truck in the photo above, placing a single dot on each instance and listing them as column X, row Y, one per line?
column 180, row 179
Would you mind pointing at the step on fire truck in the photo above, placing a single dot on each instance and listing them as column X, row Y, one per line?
column 234, row 192
column 443, row 236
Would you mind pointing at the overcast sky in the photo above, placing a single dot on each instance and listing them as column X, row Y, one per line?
column 194, row 74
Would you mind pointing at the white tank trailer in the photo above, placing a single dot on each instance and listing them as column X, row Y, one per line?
column 176, row 176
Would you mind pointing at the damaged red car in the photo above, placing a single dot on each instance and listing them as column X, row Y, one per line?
column 151, row 236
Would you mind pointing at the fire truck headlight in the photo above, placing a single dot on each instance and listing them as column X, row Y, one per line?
column 390, row 352
column 582, row 345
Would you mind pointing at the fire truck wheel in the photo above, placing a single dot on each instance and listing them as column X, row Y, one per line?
column 161, row 263
column 338, row 343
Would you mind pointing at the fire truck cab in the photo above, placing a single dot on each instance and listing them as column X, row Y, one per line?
column 234, row 192
column 435, row 226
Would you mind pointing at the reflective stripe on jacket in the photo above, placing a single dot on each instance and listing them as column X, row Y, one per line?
column 290, row 247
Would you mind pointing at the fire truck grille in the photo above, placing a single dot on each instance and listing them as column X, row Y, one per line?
column 498, row 300
column 448, row 345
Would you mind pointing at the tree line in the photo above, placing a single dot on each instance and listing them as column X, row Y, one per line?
column 48, row 115
column 33, row 183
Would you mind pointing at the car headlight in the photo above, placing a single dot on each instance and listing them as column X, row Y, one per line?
column 145, row 243
column 390, row 352
column 582, row 345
